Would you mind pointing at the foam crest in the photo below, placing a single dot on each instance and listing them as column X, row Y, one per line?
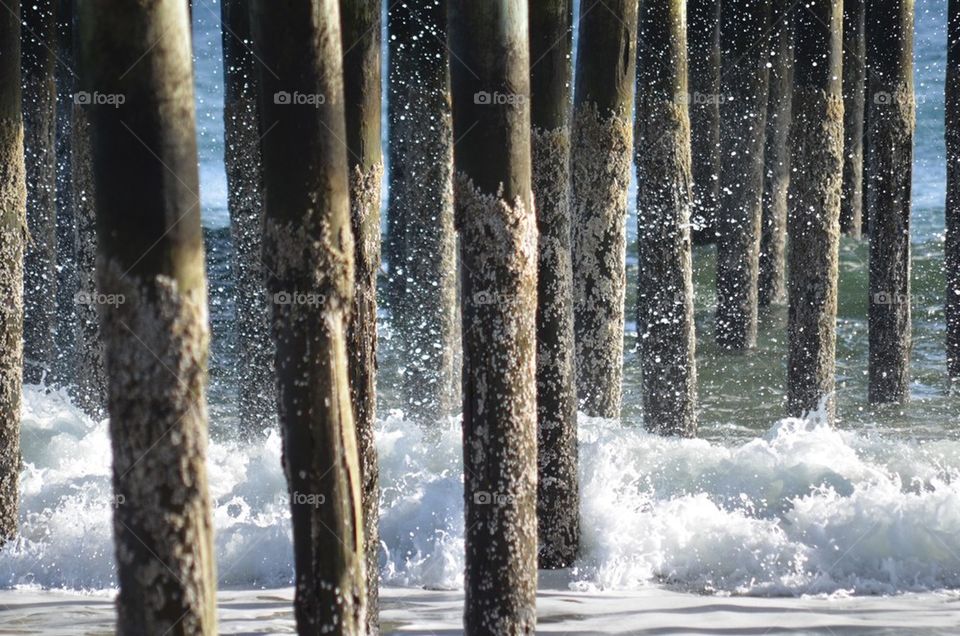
column 803, row 509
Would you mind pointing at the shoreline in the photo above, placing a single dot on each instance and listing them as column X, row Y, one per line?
column 652, row 610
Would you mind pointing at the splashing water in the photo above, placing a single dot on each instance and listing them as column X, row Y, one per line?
column 802, row 509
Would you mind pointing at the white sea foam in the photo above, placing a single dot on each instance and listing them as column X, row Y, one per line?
column 802, row 509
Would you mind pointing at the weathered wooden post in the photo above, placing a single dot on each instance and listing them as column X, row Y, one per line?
column 772, row 277
column 890, row 171
column 744, row 48
column 602, row 147
column 66, row 81
column 854, row 79
column 421, row 240
column 558, row 500
column 153, row 302
column 38, row 36
column 361, row 20
column 665, row 327
column 952, row 244
column 816, row 142
column 13, row 236
column 257, row 390
column 308, row 255
column 90, row 390
column 703, row 45
column 490, row 72
column 868, row 181
column 90, row 378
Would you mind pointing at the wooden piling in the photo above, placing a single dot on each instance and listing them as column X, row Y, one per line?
column 602, row 147
column 744, row 42
column 892, row 112
column 772, row 278
column 558, row 498
column 421, row 243
column 665, row 327
column 854, row 81
column 308, row 255
column 360, row 20
column 490, row 73
column 38, row 44
column 952, row 243
column 13, row 237
column 816, row 146
column 704, row 99
column 152, row 296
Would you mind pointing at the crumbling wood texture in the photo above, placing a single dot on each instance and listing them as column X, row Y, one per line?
column 602, row 147
column 13, row 237
column 816, row 144
column 361, row 75
column 892, row 121
column 558, row 499
column 308, row 254
column 744, row 36
column 704, row 99
column 498, row 249
column 772, row 278
column 151, row 278
column 665, row 327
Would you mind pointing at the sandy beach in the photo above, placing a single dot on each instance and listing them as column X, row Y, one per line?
column 438, row 613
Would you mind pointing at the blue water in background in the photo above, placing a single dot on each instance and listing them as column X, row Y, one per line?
column 745, row 394
column 929, row 176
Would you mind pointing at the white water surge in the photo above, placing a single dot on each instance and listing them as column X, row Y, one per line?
column 804, row 509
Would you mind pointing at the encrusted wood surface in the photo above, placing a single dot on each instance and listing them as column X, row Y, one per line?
column 743, row 39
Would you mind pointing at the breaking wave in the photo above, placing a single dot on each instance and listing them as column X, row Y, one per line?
column 802, row 509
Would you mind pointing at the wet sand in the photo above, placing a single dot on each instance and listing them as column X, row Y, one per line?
column 432, row 612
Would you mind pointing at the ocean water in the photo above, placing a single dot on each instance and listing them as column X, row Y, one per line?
column 759, row 506
column 799, row 509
